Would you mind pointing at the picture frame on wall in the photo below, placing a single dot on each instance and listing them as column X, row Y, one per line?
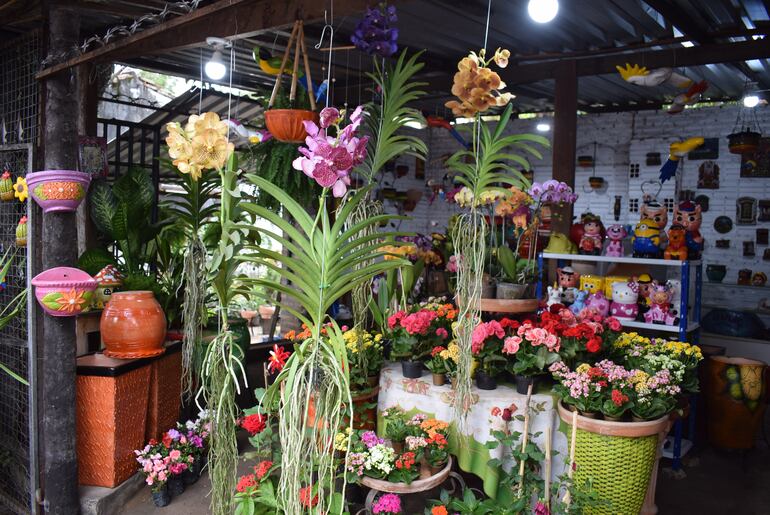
column 757, row 165
column 92, row 156
column 708, row 176
column 746, row 211
column 764, row 210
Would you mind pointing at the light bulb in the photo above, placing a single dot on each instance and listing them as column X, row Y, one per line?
column 543, row 11
column 751, row 100
column 543, row 127
column 215, row 68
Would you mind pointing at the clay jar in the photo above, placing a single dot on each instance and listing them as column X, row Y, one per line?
column 133, row 325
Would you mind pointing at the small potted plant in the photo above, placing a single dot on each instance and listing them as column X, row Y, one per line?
column 153, row 461
column 486, row 346
column 387, row 504
column 517, row 274
column 437, row 364
column 396, row 429
column 437, row 452
column 532, row 349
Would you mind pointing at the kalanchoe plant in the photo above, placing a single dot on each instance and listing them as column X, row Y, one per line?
column 375, row 33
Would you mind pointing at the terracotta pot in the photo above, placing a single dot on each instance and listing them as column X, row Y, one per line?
column 398, row 447
column 58, row 190
column 286, row 124
column 735, row 394
column 439, row 379
column 265, row 311
column 133, row 325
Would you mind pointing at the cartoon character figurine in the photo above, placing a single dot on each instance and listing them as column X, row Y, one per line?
column 644, row 287
column 646, row 239
column 568, row 280
column 655, row 211
column 758, row 279
column 677, row 244
column 744, row 277
column 675, row 285
column 598, row 303
column 660, row 300
column 615, row 235
column 591, row 283
column 554, row 296
column 624, row 296
column 593, row 231
column 688, row 215
column 580, row 302
column 558, row 243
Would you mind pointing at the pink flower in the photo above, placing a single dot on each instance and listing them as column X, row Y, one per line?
column 175, row 454
column 451, row 265
column 329, row 116
column 395, row 318
column 442, row 333
column 387, row 503
column 511, row 344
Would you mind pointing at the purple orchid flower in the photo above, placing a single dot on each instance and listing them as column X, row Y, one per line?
column 374, row 34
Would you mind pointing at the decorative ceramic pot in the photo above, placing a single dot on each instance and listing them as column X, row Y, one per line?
column 21, row 232
column 175, row 486
column 64, row 291
column 716, row 273
column 133, row 325
column 6, row 186
column 265, row 311
column 162, row 497
column 735, row 395
column 411, row 369
column 286, row 124
column 485, row 381
column 596, row 182
column 744, row 142
column 58, row 190
column 510, row 291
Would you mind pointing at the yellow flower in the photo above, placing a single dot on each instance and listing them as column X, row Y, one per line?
column 210, row 149
column 501, row 57
column 20, row 190
column 207, row 121
column 583, row 368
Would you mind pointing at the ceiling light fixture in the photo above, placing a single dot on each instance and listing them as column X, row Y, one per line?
column 751, row 100
column 543, row 11
column 215, row 67
column 543, row 127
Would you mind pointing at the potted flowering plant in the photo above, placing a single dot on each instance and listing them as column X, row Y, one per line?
column 416, row 331
column 406, row 469
column 487, row 344
column 580, row 389
column 437, row 452
column 437, row 364
column 395, row 427
column 387, row 503
column 153, row 461
column 533, row 348
column 365, row 357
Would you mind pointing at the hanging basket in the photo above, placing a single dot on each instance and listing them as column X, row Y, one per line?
column 744, row 142
column 287, row 124
column 618, row 457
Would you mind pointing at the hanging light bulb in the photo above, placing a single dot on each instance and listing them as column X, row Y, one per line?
column 751, row 100
column 543, row 11
column 543, row 127
column 215, row 67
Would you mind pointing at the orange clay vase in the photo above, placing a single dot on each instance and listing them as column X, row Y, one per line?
column 133, row 325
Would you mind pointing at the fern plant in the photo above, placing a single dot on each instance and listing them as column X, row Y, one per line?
column 312, row 391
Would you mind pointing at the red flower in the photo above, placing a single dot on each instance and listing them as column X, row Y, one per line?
column 405, row 461
column 438, row 440
column 305, row 497
column 613, row 323
column 246, row 482
column 507, row 414
column 277, row 359
column 262, row 468
column 167, row 440
column 254, row 424
column 619, row 398
column 153, row 441
column 594, row 344
column 595, row 372
column 507, row 323
column 436, row 350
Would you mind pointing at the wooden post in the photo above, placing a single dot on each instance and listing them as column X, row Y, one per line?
column 564, row 136
column 55, row 337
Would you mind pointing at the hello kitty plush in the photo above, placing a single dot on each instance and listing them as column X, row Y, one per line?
column 615, row 235
column 624, row 296
column 599, row 303
column 554, row 296
column 580, row 302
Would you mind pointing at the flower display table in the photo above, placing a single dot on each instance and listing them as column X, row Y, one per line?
column 486, row 414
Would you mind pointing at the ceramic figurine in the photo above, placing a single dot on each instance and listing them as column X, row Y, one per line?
column 598, row 303
column 610, row 280
column 758, row 279
column 688, row 215
column 660, row 304
column 646, row 239
column 580, row 302
column 554, row 296
column 677, row 243
column 567, row 295
column 21, row 232
column 675, row 285
column 744, row 277
column 591, row 241
column 624, row 297
column 6, row 186
column 615, row 235
column 645, row 285
column 655, row 211
column 591, row 283
column 108, row 280
column 558, row 243
column 568, row 278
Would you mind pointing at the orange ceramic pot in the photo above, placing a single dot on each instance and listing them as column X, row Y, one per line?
column 133, row 325
column 286, row 124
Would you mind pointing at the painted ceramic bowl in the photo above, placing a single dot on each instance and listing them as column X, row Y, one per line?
column 58, row 190
column 64, row 291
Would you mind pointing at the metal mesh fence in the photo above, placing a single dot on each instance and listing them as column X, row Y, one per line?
column 19, row 60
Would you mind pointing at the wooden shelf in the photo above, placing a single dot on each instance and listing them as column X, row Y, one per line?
column 692, row 326
column 627, row 259
column 509, row 306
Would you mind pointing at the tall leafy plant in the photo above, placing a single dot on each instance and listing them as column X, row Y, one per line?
column 312, row 391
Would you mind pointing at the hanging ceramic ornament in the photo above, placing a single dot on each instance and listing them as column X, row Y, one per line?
column 21, row 232
column 20, row 190
column 6, row 186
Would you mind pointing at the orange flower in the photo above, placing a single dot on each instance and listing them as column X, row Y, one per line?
column 72, row 301
column 438, row 510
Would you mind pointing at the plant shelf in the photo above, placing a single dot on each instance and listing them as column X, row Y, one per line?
column 692, row 326
column 627, row 259
column 509, row 305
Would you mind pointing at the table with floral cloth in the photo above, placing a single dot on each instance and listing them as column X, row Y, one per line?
column 486, row 414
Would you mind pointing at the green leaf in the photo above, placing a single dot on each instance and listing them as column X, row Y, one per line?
column 103, row 204
column 120, row 222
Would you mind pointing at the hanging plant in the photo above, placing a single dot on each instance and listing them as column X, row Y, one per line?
column 484, row 172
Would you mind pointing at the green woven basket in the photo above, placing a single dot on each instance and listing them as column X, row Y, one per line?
column 618, row 466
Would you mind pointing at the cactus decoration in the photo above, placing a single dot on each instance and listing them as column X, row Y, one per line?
column 6, row 186
column 21, row 232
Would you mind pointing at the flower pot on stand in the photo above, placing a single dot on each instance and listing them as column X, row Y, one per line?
column 161, row 498
column 510, row 291
column 286, row 124
column 64, row 291
column 58, row 190
column 485, row 381
column 133, row 325
column 411, row 369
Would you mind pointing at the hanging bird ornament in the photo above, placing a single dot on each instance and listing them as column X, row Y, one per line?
column 641, row 76
column 691, row 96
column 677, row 151
column 271, row 64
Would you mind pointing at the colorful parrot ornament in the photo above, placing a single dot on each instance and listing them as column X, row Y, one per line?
column 271, row 64
column 677, row 151
column 691, row 96
column 641, row 76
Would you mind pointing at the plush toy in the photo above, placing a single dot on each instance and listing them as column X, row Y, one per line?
column 624, row 296
column 591, row 283
column 660, row 303
column 646, row 239
column 677, row 151
column 591, row 241
column 615, row 235
column 598, row 303
column 580, row 302
column 677, row 244
column 554, row 296
column 558, row 243
column 688, row 215
column 641, row 76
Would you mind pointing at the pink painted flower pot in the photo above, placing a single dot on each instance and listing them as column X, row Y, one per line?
column 58, row 190
column 64, row 291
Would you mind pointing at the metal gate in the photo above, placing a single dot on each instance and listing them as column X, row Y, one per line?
column 19, row 99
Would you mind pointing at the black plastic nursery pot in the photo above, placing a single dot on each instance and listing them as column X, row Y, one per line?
column 485, row 381
column 175, row 486
column 523, row 382
column 162, row 497
column 411, row 369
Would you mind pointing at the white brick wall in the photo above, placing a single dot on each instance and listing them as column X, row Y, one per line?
column 623, row 139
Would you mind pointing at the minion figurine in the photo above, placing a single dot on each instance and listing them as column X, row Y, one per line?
column 646, row 239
